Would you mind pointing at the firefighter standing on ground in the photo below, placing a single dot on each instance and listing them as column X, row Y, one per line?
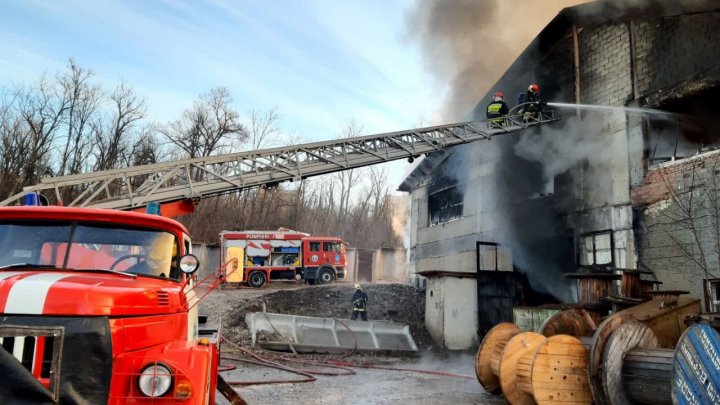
column 532, row 96
column 497, row 110
column 359, row 301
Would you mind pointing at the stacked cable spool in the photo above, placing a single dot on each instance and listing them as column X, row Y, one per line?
column 538, row 368
column 623, row 363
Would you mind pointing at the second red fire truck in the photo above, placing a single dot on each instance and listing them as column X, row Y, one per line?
column 283, row 255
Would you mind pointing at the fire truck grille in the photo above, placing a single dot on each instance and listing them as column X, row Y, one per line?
column 46, row 359
column 37, row 349
column 163, row 298
column 33, row 352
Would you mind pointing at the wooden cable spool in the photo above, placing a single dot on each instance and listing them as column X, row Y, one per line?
column 521, row 345
column 556, row 372
column 533, row 369
column 635, row 370
column 489, row 354
column 626, row 362
column 573, row 322
column 662, row 316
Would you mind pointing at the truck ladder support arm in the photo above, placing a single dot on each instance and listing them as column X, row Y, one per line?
column 133, row 187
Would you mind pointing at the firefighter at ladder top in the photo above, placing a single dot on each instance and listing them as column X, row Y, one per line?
column 497, row 110
column 359, row 301
column 532, row 96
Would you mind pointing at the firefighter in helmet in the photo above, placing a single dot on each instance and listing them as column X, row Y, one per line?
column 497, row 110
column 534, row 106
column 359, row 301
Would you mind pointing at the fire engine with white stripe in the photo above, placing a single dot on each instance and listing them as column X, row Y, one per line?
column 283, row 255
column 100, row 307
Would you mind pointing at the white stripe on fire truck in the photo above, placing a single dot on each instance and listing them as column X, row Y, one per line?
column 28, row 295
column 9, row 274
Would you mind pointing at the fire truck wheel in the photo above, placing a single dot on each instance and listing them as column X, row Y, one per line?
column 257, row 279
column 325, row 276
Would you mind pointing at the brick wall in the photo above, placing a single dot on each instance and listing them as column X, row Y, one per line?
column 675, row 49
column 605, row 65
column 673, row 240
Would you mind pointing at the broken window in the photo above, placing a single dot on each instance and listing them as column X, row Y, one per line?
column 596, row 249
column 445, row 205
column 493, row 257
column 691, row 127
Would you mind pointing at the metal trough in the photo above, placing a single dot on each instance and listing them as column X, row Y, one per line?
column 311, row 334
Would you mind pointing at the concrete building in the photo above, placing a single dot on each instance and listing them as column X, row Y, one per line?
column 604, row 187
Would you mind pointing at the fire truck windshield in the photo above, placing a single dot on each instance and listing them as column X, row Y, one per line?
column 82, row 246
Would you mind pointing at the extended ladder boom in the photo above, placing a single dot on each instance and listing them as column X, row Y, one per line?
column 136, row 186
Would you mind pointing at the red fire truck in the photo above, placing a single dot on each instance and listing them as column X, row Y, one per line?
column 283, row 255
column 98, row 307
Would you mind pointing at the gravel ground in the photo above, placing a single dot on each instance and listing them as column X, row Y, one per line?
column 395, row 302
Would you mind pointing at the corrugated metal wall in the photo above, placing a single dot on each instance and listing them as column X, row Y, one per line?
column 209, row 256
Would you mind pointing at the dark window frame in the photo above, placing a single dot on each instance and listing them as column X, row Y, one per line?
column 497, row 247
column 445, row 207
column 593, row 235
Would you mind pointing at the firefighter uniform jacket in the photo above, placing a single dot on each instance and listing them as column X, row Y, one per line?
column 531, row 97
column 497, row 109
column 359, row 300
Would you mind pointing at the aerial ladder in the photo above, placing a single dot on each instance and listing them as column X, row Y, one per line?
column 177, row 185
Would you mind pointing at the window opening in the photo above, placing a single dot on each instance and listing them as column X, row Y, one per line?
column 445, row 205
column 596, row 249
column 493, row 257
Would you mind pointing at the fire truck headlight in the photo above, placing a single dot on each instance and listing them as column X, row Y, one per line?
column 155, row 380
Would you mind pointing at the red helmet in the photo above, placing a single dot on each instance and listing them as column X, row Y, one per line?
column 534, row 88
column 499, row 94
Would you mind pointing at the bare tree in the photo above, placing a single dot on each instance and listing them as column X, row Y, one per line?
column 113, row 136
column 82, row 98
column 42, row 108
column 263, row 130
column 348, row 179
column 206, row 128
column 690, row 216
column 14, row 147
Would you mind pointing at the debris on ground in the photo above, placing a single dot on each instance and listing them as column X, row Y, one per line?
column 399, row 303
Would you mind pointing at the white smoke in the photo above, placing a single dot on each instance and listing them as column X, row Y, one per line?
column 566, row 144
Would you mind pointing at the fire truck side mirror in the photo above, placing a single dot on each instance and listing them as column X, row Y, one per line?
column 189, row 264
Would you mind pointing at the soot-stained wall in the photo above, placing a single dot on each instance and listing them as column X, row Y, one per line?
column 538, row 192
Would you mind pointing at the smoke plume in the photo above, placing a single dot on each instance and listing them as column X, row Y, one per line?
column 468, row 44
column 564, row 146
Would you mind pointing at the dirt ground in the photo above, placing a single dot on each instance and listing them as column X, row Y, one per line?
column 394, row 302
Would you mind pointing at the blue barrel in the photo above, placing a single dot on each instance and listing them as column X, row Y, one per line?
column 696, row 378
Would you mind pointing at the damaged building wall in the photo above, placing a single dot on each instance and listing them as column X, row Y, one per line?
column 676, row 50
column 675, row 201
column 550, row 193
column 679, row 207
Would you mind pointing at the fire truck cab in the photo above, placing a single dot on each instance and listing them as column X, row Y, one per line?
column 283, row 255
column 97, row 307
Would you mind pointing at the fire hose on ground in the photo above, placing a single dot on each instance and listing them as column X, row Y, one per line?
column 272, row 360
